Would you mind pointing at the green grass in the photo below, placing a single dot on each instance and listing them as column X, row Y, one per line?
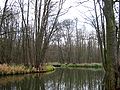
column 84, row 65
column 48, row 68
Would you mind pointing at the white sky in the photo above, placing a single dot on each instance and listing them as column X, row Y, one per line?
column 80, row 12
column 76, row 11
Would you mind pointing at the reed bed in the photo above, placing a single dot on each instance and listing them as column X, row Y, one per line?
column 6, row 69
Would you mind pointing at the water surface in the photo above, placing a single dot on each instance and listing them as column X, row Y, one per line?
column 61, row 79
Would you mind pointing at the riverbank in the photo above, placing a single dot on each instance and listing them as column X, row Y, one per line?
column 6, row 69
column 82, row 65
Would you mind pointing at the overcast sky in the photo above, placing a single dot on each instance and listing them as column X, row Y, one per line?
column 76, row 11
column 80, row 11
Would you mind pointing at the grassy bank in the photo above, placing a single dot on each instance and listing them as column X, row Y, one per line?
column 21, row 69
column 82, row 65
column 6, row 69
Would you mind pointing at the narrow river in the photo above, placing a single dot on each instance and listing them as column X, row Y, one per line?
column 60, row 79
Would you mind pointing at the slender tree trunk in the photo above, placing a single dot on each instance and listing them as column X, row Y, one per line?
column 103, row 51
column 2, row 19
column 118, row 44
column 1, row 42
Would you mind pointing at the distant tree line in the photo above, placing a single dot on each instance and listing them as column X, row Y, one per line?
column 71, row 44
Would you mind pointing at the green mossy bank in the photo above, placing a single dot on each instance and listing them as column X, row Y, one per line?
column 83, row 65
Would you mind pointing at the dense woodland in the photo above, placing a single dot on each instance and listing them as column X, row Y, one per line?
column 31, row 33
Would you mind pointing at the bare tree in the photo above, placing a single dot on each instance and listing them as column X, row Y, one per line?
column 45, row 30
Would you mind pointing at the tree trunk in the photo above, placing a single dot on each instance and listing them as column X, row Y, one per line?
column 111, row 45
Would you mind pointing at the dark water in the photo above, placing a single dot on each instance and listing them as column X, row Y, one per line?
column 61, row 79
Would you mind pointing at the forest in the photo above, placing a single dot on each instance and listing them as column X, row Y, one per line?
column 32, row 34
column 44, row 39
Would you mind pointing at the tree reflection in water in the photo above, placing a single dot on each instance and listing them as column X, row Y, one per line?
column 61, row 79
